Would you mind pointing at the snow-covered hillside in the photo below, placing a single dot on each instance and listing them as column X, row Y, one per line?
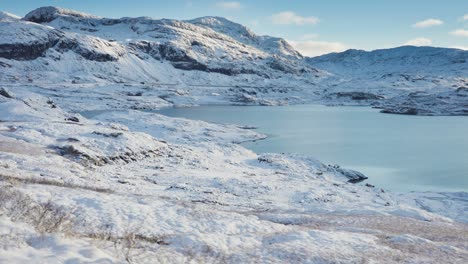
column 407, row 80
column 151, row 50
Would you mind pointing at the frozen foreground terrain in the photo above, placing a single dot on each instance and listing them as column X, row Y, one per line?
column 130, row 186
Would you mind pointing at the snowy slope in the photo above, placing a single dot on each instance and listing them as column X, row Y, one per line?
column 144, row 188
column 406, row 59
column 244, row 35
column 185, row 46
column 405, row 80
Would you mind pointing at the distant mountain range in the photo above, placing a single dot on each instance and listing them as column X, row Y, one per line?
column 56, row 45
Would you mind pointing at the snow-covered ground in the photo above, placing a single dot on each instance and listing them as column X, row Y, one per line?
column 125, row 185
column 138, row 186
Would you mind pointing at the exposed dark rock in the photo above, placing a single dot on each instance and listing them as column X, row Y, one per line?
column 110, row 21
column 89, row 29
column 181, row 60
column 71, row 151
column 75, row 154
column 358, row 96
column 5, row 65
column 279, row 65
column 73, row 44
column 51, row 103
column 352, row 175
column 68, row 140
column 4, row 93
column 196, row 43
column 114, row 134
column 401, row 111
column 29, row 51
column 73, row 119
column 247, row 127
column 134, row 94
column 462, row 90
column 263, row 159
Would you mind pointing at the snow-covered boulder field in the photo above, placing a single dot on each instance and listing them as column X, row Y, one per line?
column 87, row 177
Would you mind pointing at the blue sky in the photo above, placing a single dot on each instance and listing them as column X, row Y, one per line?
column 313, row 26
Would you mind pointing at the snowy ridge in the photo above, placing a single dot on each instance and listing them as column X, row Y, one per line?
column 403, row 80
column 406, row 59
column 186, row 46
column 242, row 34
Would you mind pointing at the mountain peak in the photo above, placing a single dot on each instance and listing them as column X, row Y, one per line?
column 243, row 34
column 48, row 13
column 223, row 25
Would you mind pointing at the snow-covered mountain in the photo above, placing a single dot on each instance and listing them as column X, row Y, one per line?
column 413, row 80
column 55, row 40
column 56, row 45
column 405, row 59
column 244, row 35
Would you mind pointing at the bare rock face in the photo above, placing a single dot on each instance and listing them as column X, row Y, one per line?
column 23, row 51
column 20, row 49
column 352, row 175
column 5, row 93
column 358, row 96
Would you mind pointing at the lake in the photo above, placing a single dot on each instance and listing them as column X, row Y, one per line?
column 396, row 152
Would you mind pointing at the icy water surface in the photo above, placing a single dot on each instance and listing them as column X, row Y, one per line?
column 396, row 152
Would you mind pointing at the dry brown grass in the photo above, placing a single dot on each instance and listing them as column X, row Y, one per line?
column 46, row 181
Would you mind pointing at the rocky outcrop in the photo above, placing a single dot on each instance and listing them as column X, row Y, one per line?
column 91, row 48
column 29, row 50
column 357, row 96
column 352, row 175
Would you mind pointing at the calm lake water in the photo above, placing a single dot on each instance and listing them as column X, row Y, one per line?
column 396, row 152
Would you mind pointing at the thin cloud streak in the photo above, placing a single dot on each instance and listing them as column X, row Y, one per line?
column 460, row 33
column 428, row 23
column 229, row 5
column 290, row 18
column 313, row 48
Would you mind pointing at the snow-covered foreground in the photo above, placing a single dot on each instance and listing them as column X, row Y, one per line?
column 131, row 186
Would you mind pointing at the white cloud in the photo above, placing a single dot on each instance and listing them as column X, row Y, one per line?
column 309, row 36
column 315, row 48
column 419, row 42
column 428, row 23
column 460, row 33
column 229, row 5
column 465, row 17
column 289, row 17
